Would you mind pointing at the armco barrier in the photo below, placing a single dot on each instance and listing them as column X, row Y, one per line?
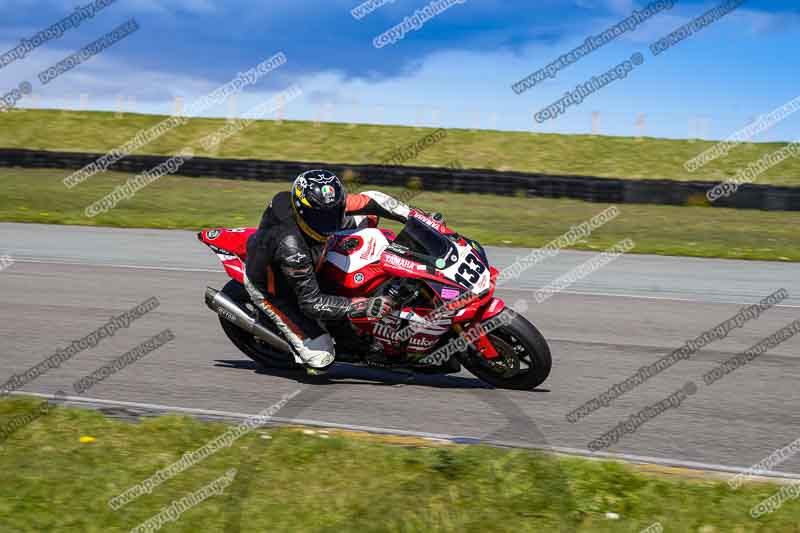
column 607, row 190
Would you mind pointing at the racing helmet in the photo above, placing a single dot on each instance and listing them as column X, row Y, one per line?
column 318, row 203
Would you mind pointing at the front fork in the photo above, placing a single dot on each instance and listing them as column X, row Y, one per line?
column 482, row 343
column 487, row 311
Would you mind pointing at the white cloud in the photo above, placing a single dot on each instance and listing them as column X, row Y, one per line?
column 761, row 22
column 104, row 77
column 170, row 6
column 161, row 6
column 617, row 6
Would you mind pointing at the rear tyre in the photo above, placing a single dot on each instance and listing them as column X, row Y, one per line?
column 524, row 360
column 260, row 352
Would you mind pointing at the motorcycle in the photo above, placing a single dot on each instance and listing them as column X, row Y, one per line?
column 446, row 314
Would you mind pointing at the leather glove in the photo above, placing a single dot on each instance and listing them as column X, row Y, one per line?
column 375, row 308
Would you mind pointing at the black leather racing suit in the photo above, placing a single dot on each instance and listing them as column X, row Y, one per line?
column 282, row 263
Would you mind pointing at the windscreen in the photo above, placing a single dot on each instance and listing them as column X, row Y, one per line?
column 421, row 238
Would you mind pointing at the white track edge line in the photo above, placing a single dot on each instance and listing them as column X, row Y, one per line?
column 107, row 265
column 631, row 458
column 520, row 289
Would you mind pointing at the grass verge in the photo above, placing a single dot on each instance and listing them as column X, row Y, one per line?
column 28, row 195
column 289, row 480
column 590, row 155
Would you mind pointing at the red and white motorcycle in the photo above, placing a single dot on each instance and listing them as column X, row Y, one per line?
column 446, row 312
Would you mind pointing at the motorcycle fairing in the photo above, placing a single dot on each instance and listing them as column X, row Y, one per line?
column 230, row 245
column 359, row 267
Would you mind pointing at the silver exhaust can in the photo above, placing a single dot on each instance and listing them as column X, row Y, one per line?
column 230, row 311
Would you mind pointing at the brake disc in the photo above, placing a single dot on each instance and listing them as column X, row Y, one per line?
column 508, row 364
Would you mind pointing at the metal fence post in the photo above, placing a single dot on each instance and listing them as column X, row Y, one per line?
column 232, row 112
column 178, row 105
column 595, row 123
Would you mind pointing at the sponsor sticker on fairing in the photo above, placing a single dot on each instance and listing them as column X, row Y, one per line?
column 449, row 294
column 426, row 220
column 370, row 249
column 422, row 342
column 399, row 262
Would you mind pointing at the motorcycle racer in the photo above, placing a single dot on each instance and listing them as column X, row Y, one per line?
column 288, row 248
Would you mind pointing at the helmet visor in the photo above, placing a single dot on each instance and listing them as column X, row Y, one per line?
column 324, row 221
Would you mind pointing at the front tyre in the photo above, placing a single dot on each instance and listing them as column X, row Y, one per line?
column 523, row 361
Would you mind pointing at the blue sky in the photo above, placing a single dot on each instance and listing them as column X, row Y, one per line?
column 455, row 71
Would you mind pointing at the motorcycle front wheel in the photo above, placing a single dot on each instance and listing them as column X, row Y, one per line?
column 523, row 361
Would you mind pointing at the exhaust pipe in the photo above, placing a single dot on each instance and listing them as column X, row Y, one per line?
column 230, row 311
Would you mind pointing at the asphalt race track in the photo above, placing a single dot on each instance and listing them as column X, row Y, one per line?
column 67, row 281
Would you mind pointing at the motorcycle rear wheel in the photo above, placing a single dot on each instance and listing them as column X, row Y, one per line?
column 524, row 360
column 260, row 352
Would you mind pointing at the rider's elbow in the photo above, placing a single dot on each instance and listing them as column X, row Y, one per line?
column 312, row 309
